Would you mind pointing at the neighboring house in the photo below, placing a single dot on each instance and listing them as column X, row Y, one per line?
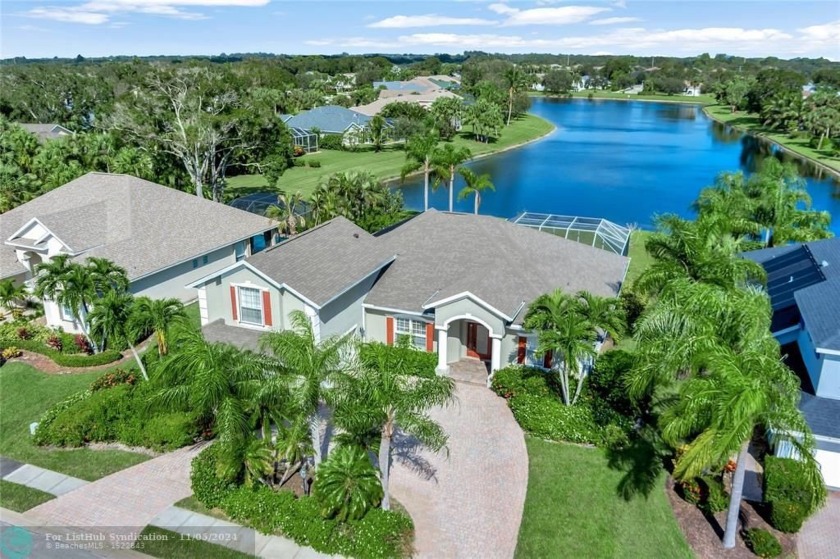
column 803, row 281
column 330, row 119
column 424, row 99
column 692, row 90
column 455, row 284
column 422, row 90
column 163, row 238
column 46, row 131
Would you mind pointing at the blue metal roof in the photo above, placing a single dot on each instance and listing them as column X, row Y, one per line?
column 331, row 119
column 399, row 86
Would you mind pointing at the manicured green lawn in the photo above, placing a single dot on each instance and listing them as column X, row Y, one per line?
column 640, row 260
column 193, row 504
column 20, row 498
column 25, row 394
column 176, row 546
column 751, row 123
column 385, row 164
column 699, row 99
column 573, row 510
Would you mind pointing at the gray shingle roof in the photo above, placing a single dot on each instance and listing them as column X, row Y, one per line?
column 46, row 131
column 822, row 415
column 141, row 226
column 813, row 282
column 325, row 261
column 441, row 254
column 331, row 119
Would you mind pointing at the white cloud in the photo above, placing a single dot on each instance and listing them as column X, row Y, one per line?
column 96, row 12
column 429, row 20
column 546, row 16
column 614, row 20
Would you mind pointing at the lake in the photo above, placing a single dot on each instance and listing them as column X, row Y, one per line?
column 621, row 160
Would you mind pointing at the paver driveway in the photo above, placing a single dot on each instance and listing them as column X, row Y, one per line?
column 469, row 505
column 820, row 535
column 125, row 501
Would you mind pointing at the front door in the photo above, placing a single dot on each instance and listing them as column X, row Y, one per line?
column 472, row 340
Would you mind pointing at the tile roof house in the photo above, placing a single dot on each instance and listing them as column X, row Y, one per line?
column 455, row 284
column 164, row 238
column 46, row 131
column 803, row 282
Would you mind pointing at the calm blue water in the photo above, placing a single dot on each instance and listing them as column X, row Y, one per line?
column 624, row 161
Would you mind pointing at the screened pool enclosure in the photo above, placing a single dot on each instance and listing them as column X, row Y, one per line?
column 593, row 231
column 305, row 139
column 259, row 202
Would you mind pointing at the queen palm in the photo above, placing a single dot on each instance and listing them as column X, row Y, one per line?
column 419, row 151
column 111, row 319
column 717, row 413
column 445, row 161
column 387, row 394
column 311, row 364
column 475, row 185
column 287, row 211
column 157, row 316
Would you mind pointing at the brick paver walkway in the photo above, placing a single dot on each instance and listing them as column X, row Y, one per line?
column 469, row 505
column 820, row 536
column 126, row 500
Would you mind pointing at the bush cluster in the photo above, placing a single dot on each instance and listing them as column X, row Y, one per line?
column 313, row 163
column 706, row 492
column 114, row 409
column 66, row 359
column 788, row 492
column 59, row 346
column 379, row 534
column 762, row 543
column 536, row 404
column 114, row 378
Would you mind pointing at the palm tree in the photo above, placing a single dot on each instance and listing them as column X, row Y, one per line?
column 312, row 363
column 107, row 276
column 111, row 319
column 324, row 204
column 375, row 131
column 475, row 184
column 158, row 316
column 445, row 161
column 387, row 395
column 78, row 290
column 287, row 213
column 515, row 81
column 419, row 151
column 347, row 485
column 11, row 294
column 718, row 412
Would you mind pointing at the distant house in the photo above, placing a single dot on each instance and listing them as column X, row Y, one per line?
column 163, row 238
column 459, row 300
column 422, row 91
column 331, row 119
column 803, row 281
column 46, row 131
column 692, row 90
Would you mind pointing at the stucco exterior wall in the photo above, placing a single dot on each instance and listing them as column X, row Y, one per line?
column 346, row 311
column 829, row 386
column 466, row 308
column 809, row 355
column 374, row 325
column 171, row 282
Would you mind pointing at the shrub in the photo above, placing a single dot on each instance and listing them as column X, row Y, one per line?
column 298, row 151
column 55, row 343
column 762, row 543
column 83, row 344
column 690, row 491
column 789, row 494
column 163, row 431
column 24, row 333
column 114, row 378
column 314, row 163
column 298, row 163
column 207, row 486
column 715, row 497
column 331, row 141
column 67, row 359
column 11, row 352
column 347, row 485
column 606, row 383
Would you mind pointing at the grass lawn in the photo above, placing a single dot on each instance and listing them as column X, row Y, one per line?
column 639, row 257
column 699, row 99
column 193, row 504
column 176, row 546
column 751, row 123
column 385, row 164
column 25, row 394
column 20, row 498
column 572, row 510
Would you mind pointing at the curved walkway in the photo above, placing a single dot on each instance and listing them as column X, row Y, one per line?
column 820, row 536
column 469, row 505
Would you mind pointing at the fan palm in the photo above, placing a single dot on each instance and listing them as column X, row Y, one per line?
column 158, row 316
column 716, row 414
column 475, row 184
column 298, row 353
column 445, row 162
column 110, row 319
column 347, row 486
column 419, row 151
column 387, row 394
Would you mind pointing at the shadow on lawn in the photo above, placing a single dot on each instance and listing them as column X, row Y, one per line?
column 642, row 459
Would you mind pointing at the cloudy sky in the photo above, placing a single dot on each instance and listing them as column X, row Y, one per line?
column 46, row 28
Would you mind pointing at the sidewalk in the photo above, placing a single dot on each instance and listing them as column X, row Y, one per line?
column 47, row 481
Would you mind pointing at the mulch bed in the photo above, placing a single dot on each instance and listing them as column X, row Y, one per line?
column 705, row 533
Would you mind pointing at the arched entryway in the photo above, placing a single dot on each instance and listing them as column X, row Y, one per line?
column 467, row 337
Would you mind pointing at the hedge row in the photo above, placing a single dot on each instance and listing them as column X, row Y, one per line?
column 65, row 359
column 380, row 534
column 789, row 494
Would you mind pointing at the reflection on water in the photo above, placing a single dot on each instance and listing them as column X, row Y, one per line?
column 754, row 150
column 724, row 133
column 678, row 112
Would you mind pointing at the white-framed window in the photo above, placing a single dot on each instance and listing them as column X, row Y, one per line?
column 66, row 313
column 250, row 306
column 414, row 329
column 240, row 251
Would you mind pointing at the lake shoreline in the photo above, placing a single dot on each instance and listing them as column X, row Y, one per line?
column 683, row 100
column 834, row 173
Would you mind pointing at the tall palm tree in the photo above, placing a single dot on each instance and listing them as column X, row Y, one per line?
column 515, row 80
column 111, row 319
column 312, row 364
column 107, row 276
column 78, row 291
column 419, row 151
column 288, row 212
column 717, row 413
column 158, row 316
column 324, row 204
column 388, row 395
column 445, row 162
column 474, row 186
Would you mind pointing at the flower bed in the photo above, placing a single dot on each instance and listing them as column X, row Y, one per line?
column 67, row 350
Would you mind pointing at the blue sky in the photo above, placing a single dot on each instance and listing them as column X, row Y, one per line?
column 46, row 28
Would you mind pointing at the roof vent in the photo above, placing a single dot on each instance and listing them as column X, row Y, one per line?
column 790, row 280
column 355, row 235
column 824, row 263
